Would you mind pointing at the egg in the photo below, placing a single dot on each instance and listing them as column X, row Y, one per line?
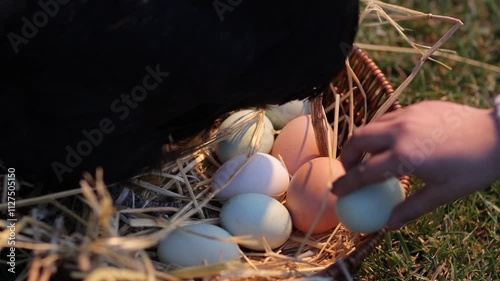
column 258, row 216
column 180, row 245
column 241, row 141
column 296, row 143
column 307, row 190
column 280, row 115
column 368, row 209
column 261, row 173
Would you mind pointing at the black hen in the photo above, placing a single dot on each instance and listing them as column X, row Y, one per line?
column 105, row 83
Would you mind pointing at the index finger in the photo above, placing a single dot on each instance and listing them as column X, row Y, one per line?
column 375, row 169
column 373, row 138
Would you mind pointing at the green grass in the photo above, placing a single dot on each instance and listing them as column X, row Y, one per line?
column 478, row 39
column 459, row 241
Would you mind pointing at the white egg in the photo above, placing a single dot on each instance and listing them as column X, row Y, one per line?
column 282, row 114
column 368, row 209
column 262, row 173
column 241, row 141
column 185, row 248
column 259, row 216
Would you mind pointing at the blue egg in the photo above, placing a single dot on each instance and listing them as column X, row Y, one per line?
column 368, row 209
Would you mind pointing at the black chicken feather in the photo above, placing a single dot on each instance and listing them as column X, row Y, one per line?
column 88, row 83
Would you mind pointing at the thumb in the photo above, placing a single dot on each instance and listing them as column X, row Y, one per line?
column 418, row 204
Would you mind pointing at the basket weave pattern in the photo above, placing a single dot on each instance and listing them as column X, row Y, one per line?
column 377, row 90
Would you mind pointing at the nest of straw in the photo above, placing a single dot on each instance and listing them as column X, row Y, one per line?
column 101, row 232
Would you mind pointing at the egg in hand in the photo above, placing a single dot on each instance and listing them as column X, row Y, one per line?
column 368, row 209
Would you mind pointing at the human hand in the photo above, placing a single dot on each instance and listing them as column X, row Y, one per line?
column 454, row 149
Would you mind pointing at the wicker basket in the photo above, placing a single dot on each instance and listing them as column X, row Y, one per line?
column 109, row 257
column 373, row 81
column 376, row 90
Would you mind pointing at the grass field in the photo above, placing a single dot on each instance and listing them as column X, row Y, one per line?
column 460, row 241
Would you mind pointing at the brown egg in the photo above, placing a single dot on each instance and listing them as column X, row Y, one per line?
column 296, row 143
column 307, row 189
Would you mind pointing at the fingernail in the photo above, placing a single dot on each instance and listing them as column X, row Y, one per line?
column 335, row 185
